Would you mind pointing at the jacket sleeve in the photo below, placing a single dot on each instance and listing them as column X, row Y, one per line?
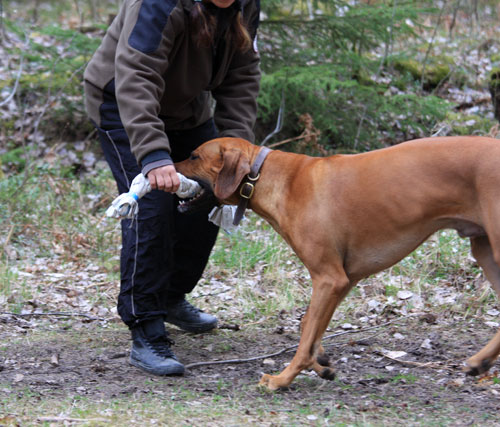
column 236, row 97
column 140, row 62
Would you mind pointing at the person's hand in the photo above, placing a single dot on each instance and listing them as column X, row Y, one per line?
column 164, row 178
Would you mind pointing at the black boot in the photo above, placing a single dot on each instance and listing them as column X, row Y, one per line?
column 151, row 349
column 182, row 314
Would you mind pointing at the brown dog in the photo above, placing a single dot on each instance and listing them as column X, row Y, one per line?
column 349, row 216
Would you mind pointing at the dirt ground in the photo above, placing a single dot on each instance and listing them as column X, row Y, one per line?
column 73, row 358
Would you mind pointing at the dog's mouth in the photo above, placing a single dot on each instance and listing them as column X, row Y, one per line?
column 203, row 200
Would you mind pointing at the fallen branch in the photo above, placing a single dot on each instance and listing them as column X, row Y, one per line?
column 56, row 313
column 74, row 420
column 268, row 356
column 432, row 365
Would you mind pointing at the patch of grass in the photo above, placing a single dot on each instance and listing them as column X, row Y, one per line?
column 267, row 275
column 181, row 407
column 391, row 290
column 404, row 378
column 8, row 277
column 244, row 249
column 439, row 257
column 51, row 212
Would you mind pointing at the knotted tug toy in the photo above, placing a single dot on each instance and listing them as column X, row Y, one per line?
column 126, row 205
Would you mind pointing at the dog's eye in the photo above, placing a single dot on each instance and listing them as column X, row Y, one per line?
column 193, row 156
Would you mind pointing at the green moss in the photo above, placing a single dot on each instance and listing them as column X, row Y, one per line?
column 8, row 125
column 432, row 74
column 494, row 79
column 391, row 290
column 408, row 66
column 435, row 72
column 469, row 124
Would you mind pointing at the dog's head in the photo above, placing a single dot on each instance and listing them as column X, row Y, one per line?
column 219, row 166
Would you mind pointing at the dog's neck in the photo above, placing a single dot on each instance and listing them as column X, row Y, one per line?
column 269, row 189
column 247, row 186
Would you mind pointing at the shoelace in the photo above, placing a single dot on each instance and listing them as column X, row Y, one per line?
column 161, row 345
column 185, row 304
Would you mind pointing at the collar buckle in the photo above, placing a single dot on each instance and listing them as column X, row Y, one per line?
column 246, row 190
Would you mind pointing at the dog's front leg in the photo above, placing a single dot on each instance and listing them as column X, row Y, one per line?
column 328, row 292
column 322, row 357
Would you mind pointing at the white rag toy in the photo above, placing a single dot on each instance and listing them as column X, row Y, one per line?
column 222, row 216
column 126, row 205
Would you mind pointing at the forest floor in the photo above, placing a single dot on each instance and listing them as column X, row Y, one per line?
column 398, row 355
column 78, row 372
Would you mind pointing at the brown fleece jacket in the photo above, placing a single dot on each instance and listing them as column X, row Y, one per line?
column 164, row 81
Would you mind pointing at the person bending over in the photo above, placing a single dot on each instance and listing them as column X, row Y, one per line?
column 168, row 76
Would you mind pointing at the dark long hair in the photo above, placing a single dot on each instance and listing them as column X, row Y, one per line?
column 204, row 27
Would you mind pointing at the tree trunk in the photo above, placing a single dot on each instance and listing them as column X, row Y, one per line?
column 94, row 13
column 35, row 12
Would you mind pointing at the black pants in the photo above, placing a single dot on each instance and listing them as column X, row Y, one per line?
column 163, row 252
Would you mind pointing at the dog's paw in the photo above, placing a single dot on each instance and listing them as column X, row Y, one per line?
column 270, row 383
column 327, row 374
column 323, row 360
column 473, row 368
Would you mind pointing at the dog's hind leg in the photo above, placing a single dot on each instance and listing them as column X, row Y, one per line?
column 328, row 292
column 483, row 252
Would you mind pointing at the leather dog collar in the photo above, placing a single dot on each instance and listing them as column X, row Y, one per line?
column 248, row 185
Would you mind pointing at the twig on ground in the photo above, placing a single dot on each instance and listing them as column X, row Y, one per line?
column 234, row 361
column 74, row 420
column 56, row 313
column 431, row 365
column 268, row 356
column 353, row 331
column 363, row 339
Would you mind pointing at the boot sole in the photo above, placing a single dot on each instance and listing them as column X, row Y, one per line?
column 174, row 370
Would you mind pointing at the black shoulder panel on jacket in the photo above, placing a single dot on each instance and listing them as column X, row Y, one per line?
column 153, row 16
column 254, row 25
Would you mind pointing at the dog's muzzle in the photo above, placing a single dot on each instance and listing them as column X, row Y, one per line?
column 204, row 200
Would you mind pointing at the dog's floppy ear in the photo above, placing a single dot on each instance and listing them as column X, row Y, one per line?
column 235, row 166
